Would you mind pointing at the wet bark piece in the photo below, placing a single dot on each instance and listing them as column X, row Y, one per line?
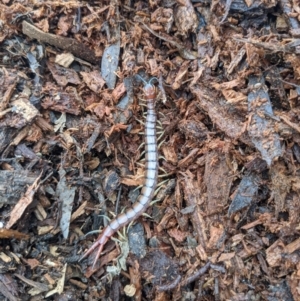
column 193, row 129
column 137, row 241
column 283, row 290
column 281, row 185
column 158, row 268
column 66, row 195
column 13, row 184
column 192, row 195
column 218, row 181
column 223, row 116
column 9, row 287
column 185, row 17
column 6, row 136
column 110, row 58
column 8, row 82
column 5, row 291
column 111, row 183
column 184, row 52
column 253, row 15
column 13, row 234
column 23, row 150
column 68, row 44
column 276, row 92
column 109, row 64
column 123, row 114
column 287, row 9
column 36, row 60
column 261, row 127
column 63, row 76
column 23, row 203
column 245, row 194
column 69, row 100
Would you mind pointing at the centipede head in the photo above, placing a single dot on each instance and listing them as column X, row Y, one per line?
column 150, row 90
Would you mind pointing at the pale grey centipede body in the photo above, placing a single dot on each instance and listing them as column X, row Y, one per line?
column 151, row 171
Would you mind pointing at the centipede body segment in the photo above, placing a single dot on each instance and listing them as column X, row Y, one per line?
column 150, row 182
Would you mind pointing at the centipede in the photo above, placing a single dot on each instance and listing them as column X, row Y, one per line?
column 150, row 179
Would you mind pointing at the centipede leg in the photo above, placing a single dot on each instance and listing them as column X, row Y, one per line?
column 142, row 154
column 142, row 144
column 160, row 186
column 162, row 158
column 160, row 144
column 161, row 135
column 162, row 114
column 139, row 187
column 91, row 249
column 97, row 256
column 165, row 175
column 140, row 121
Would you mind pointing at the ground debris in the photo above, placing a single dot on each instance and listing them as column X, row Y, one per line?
column 223, row 223
column 245, row 194
column 261, row 128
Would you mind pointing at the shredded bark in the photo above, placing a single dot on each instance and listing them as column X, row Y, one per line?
column 224, row 221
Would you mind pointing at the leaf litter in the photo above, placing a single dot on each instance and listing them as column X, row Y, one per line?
column 224, row 223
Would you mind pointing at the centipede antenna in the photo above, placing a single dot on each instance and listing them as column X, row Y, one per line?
column 141, row 79
column 151, row 79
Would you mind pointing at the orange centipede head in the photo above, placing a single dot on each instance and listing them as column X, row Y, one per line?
column 150, row 91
